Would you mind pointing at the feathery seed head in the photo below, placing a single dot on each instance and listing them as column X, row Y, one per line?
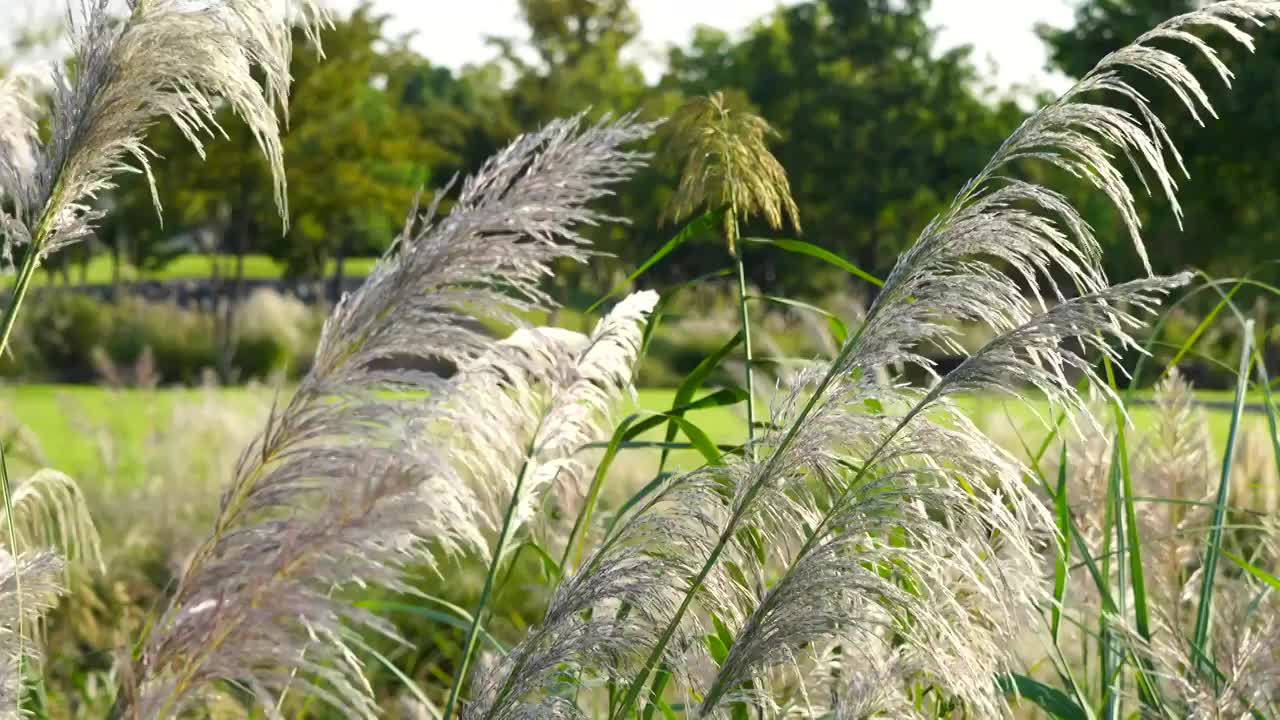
column 29, row 587
column 50, row 511
column 350, row 483
column 726, row 165
column 1080, row 137
column 524, row 410
column 167, row 58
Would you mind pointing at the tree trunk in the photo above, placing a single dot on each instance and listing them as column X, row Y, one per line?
column 115, row 266
column 339, row 264
column 233, row 288
column 215, row 310
column 233, row 302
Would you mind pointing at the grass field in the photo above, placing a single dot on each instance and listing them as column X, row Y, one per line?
column 256, row 267
column 72, row 423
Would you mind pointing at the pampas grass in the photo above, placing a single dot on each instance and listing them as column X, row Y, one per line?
column 167, row 59
column 869, row 552
column 894, row 518
column 530, row 406
column 48, row 510
column 29, row 586
column 345, row 486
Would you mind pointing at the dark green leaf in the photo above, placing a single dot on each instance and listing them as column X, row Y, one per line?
column 690, row 385
column 1063, row 515
column 839, row 331
column 803, row 248
column 1049, row 699
column 1214, row 545
column 698, row 226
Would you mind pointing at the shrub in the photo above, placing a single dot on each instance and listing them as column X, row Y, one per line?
column 275, row 333
column 76, row 338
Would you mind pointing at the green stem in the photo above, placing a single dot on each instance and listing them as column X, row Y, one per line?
column 25, row 274
column 17, row 569
column 746, row 345
column 1204, row 615
column 473, row 632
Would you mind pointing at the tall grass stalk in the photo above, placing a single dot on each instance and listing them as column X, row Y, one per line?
column 14, row 551
column 1213, row 547
column 478, row 617
column 29, row 264
column 726, row 167
column 748, row 358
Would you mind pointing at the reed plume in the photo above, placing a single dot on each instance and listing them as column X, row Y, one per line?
column 30, row 583
column 528, row 406
column 45, row 521
column 18, row 140
column 890, row 513
column 1177, row 467
column 726, row 165
column 1245, row 662
column 48, row 510
column 167, row 58
column 1234, row 676
column 348, row 486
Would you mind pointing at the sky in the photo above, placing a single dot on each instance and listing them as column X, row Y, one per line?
column 452, row 32
column 1001, row 31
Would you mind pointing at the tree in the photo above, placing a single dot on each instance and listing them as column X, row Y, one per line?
column 876, row 129
column 578, row 45
column 354, row 161
column 574, row 61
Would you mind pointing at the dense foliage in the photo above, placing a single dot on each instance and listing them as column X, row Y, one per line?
column 874, row 123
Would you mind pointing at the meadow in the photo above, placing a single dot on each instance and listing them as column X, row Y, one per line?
column 67, row 424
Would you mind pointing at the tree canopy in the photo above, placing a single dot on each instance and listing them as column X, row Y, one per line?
column 875, row 126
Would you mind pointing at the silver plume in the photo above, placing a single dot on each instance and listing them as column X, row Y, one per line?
column 347, row 486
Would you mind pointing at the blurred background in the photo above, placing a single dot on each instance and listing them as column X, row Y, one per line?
column 882, row 109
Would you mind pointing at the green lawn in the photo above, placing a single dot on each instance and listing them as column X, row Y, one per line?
column 74, row 424
column 256, row 267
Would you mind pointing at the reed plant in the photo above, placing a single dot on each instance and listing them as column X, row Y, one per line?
column 867, row 552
